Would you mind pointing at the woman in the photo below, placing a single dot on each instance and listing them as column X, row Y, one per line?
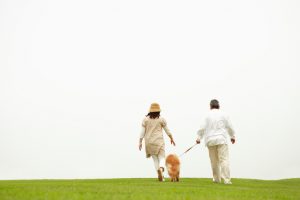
column 154, row 142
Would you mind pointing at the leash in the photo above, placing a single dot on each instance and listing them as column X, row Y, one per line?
column 188, row 150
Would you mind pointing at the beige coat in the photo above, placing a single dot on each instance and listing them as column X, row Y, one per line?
column 154, row 140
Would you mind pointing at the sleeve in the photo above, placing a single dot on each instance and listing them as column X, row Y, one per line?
column 144, row 123
column 230, row 129
column 201, row 131
column 143, row 131
column 165, row 127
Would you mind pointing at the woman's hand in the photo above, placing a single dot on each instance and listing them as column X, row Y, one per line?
column 140, row 143
column 172, row 142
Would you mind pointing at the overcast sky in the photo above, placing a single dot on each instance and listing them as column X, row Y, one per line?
column 78, row 77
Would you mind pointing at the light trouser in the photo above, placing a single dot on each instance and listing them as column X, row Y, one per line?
column 159, row 161
column 219, row 162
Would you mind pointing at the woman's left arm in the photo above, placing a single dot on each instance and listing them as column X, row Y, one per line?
column 168, row 132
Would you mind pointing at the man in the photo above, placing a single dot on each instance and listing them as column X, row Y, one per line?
column 215, row 130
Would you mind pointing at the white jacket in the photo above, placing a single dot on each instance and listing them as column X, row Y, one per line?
column 216, row 128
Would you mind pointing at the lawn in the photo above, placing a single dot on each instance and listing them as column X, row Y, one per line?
column 118, row 189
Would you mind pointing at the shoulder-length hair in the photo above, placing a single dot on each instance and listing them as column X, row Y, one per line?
column 153, row 115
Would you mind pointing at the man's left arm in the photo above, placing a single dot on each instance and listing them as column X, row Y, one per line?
column 231, row 131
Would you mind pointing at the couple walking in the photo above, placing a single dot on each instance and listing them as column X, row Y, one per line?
column 215, row 130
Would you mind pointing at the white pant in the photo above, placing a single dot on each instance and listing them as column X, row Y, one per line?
column 159, row 161
column 219, row 162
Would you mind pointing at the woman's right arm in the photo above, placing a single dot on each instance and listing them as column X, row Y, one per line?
column 142, row 135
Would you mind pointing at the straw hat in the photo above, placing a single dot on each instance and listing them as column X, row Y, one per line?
column 154, row 107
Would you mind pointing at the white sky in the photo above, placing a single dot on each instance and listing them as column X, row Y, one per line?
column 77, row 78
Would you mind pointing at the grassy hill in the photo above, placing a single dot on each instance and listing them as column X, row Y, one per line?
column 119, row 189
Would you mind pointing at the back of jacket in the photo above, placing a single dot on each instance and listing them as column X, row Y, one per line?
column 216, row 128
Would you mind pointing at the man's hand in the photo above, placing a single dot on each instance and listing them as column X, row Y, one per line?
column 172, row 142
column 232, row 140
column 140, row 146
column 198, row 141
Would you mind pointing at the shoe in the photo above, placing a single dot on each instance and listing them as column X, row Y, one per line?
column 163, row 170
column 215, row 181
column 160, row 174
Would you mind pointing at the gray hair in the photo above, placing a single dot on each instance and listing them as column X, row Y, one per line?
column 214, row 104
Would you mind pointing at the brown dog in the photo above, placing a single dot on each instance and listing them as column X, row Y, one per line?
column 173, row 166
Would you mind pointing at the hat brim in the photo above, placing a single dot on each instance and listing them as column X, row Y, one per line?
column 154, row 110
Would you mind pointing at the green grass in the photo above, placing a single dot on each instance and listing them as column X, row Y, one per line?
column 118, row 189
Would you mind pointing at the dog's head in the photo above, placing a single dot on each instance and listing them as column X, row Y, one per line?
column 172, row 159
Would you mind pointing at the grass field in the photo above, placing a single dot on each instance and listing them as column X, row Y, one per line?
column 118, row 189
